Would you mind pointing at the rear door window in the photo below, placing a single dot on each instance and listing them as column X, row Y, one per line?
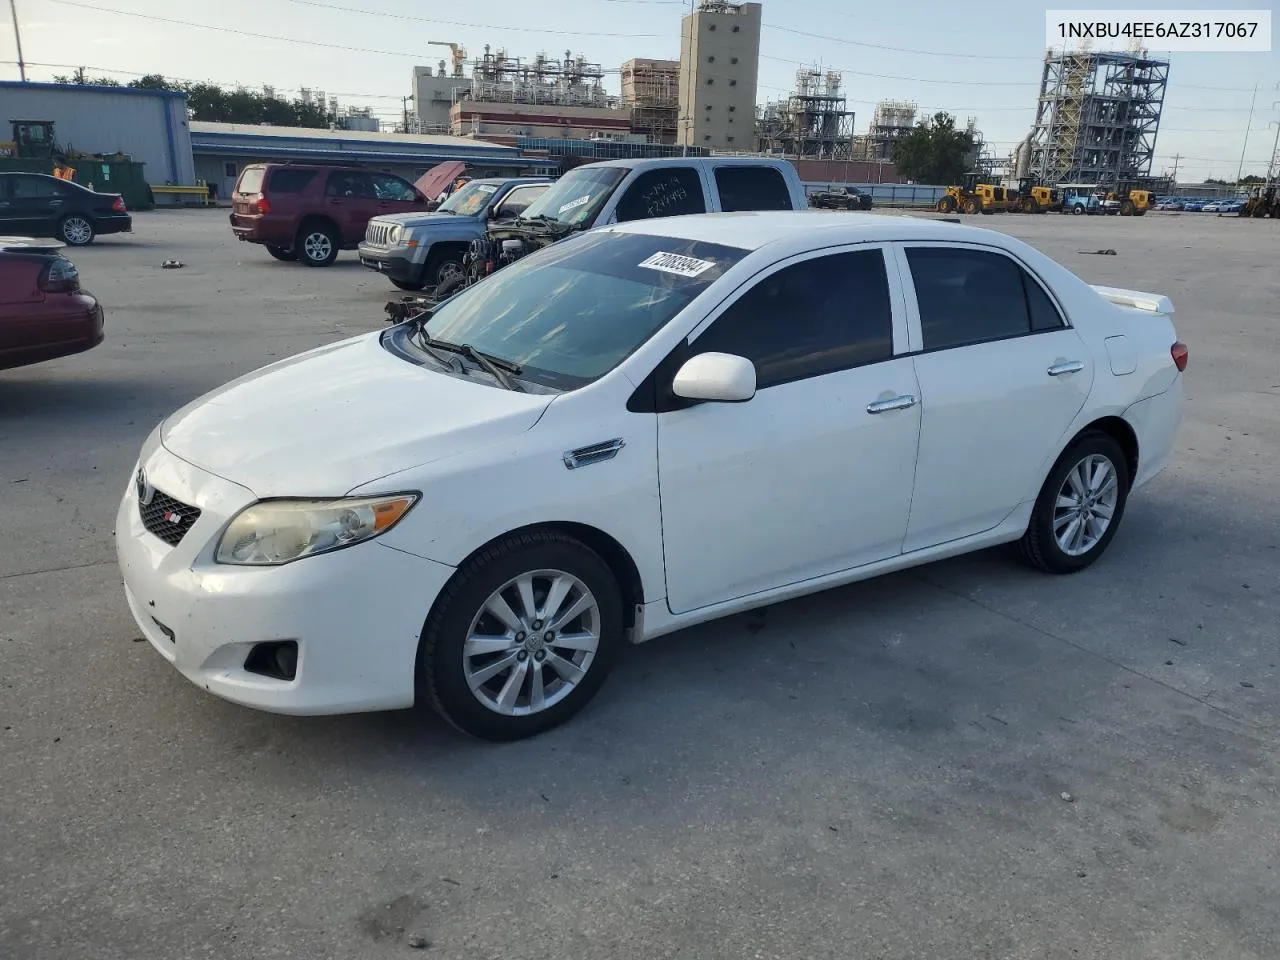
column 973, row 296
column 665, row 192
column 287, row 180
column 33, row 187
column 344, row 183
column 251, row 180
column 752, row 188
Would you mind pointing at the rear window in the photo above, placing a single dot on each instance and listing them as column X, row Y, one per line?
column 286, row 180
column 752, row 188
column 251, row 180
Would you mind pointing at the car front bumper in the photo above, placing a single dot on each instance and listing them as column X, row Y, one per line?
column 392, row 265
column 356, row 614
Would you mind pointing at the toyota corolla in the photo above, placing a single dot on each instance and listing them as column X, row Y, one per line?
column 637, row 429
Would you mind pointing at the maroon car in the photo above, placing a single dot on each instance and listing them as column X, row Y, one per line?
column 308, row 212
column 43, row 312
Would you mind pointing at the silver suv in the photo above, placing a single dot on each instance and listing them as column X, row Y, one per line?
column 419, row 250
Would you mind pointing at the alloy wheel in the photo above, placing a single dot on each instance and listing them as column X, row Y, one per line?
column 1085, row 505
column 532, row 642
column 317, row 246
column 76, row 230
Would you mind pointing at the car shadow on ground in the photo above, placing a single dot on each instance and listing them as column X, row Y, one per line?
column 41, row 400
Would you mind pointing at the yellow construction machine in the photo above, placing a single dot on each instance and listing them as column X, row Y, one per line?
column 974, row 197
column 1036, row 198
column 1132, row 201
column 1262, row 202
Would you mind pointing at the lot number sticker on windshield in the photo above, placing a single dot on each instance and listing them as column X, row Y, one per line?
column 678, row 264
column 581, row 201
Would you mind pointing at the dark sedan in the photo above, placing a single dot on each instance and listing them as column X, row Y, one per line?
column 43, row 312
column 37, row 205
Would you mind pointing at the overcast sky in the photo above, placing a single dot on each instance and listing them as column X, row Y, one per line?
column 981, row 60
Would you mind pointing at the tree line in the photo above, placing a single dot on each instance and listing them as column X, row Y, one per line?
column 208, row 101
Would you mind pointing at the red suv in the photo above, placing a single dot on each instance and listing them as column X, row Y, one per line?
column 309, row 212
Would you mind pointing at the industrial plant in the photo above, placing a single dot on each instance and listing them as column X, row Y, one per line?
column 1097, row 118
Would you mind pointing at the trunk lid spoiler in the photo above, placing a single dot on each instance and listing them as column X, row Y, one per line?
column 1137, row 299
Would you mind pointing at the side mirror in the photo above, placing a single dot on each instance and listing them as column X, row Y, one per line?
column 718, row 377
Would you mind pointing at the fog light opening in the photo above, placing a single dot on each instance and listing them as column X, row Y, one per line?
column 277, row 659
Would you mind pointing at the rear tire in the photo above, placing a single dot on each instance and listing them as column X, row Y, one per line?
column 1077, row 210
column 282, row 253
column 484, row 674
column 1066, row 531
column 75, row 230
column 317, row 244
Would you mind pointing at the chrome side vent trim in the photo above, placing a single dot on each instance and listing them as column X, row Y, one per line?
column 594, row 453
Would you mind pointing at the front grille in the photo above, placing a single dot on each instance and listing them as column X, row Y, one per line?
column 167, row 518
column 378, row 234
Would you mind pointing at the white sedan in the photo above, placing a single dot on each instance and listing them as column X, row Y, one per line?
column 637, row 429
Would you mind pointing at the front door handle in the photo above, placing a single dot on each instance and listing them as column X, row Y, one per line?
column 893, row 403
column 1067, row 366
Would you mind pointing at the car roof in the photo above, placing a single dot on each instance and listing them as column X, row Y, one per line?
column 643, row 162
column 751, row 230
column 518, row 181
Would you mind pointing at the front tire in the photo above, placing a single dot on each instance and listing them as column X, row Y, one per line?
column 1080, row 506
column 75, row 230
column 408, row 284
column 521, row 638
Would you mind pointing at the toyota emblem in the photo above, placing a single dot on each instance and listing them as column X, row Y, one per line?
column 145, row 491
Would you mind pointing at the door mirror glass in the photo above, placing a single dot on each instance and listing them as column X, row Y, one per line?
column 718, row 377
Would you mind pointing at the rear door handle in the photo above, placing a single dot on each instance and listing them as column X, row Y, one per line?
column 1067, row 366
column 893, row 403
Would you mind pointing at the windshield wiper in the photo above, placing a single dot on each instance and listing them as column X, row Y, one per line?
column 498, row 368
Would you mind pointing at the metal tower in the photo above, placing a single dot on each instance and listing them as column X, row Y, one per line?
column 1097, row 117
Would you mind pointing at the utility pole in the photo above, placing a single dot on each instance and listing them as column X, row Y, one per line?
column 1174, row 177
column 404, row 102
column 17, row 37
column 1247, row 124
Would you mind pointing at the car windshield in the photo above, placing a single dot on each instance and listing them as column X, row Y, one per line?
column 470, row 200
column 576, row 309
column 577, row 197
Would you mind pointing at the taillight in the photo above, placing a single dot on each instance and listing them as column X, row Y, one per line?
column 60, row 276
column 263, row 206
column 118, row 206
column 1180, row 355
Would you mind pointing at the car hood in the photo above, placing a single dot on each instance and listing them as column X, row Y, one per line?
column 424, row 218
column 334, row 418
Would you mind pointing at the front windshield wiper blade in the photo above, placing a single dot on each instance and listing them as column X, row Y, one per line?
column 496, row 367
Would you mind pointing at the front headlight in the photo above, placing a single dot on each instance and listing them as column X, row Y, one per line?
column 273, row 532
column 396, row 233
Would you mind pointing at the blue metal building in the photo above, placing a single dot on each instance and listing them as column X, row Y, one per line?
column 223, row 149
column 149, row 125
